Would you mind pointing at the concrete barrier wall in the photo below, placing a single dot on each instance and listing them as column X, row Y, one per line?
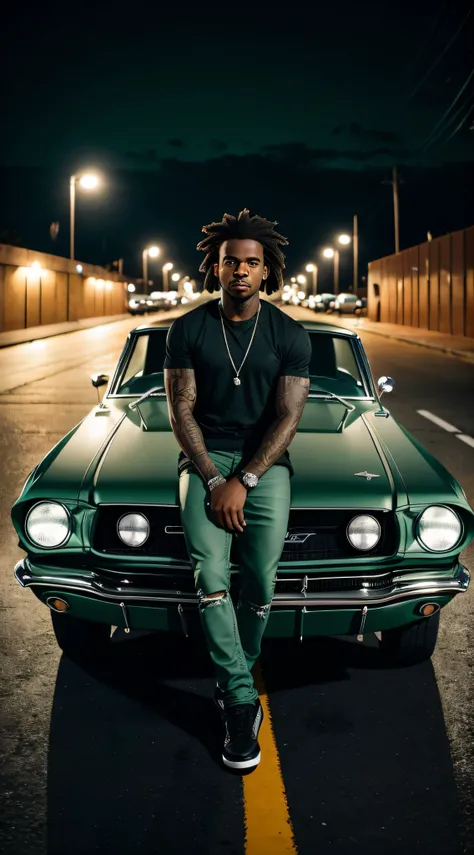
column 37, row 289
column 430, row 286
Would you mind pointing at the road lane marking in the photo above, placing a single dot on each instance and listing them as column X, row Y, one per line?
column 467, row 439
column 440, row 422
column 464, row 437
column 268, row 828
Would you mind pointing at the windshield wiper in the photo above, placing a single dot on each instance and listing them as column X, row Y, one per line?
column 135, row 405
column 331, row 396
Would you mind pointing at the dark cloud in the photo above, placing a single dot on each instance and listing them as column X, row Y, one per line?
column 218, row 146
column 148, row 158
column 369, row 134
column 176, row 143
column 302, row 155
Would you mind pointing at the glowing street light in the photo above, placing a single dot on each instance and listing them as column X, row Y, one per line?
column 176, row 277
column 166, row 269
column 345, row 240
column 329, row 252
column 313, row 268
column 301, row 279
column 131, row 288
column 153, row 252
column 88, row 181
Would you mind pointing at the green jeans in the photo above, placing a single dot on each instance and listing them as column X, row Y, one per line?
column 234, row 637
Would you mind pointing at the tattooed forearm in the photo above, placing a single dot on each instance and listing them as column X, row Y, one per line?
column 180, row 385
column 290, row 400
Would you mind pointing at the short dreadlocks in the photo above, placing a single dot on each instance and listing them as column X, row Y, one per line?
column 244, row 227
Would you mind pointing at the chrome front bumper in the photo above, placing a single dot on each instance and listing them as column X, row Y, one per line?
column 398, row 590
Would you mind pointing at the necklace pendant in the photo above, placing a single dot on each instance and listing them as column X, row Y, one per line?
column 236, row 381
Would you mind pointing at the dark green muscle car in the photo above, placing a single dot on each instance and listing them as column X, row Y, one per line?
column 374, row 536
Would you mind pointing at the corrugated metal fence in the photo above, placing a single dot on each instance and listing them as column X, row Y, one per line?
column 430, row 286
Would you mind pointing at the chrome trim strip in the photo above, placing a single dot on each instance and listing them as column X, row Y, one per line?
column 393, row 593
column 357, row 509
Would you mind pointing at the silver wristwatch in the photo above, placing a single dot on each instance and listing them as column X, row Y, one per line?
column 216, row 482
column 248, row 480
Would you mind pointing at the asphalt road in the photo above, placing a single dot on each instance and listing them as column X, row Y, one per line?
column 125, row 758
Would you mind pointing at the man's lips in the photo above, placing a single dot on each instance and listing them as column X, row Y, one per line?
column 239, row 285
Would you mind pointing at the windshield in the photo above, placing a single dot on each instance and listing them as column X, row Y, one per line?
column 333, row 367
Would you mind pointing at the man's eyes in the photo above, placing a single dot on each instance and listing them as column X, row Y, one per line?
column 232, row 262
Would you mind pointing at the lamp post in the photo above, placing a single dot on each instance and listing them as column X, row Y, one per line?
column 153, row 252
column 166, row 269
column 88, row 181
column 313, row 268
column 329, row 252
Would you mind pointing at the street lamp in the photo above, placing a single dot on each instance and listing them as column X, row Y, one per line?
column 329, row 252
column 345, row 240
column 313, row 268
column 153, row 252
column 166, row 269
column 176, row 277
column 88, row 181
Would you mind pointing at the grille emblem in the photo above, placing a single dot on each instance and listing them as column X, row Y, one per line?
column 174, row 529
column 368, row 475
column 298, row 538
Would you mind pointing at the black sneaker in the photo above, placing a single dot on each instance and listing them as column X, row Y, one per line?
column 242, row 723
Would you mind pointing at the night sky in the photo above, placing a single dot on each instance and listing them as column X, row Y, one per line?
column 191, row 110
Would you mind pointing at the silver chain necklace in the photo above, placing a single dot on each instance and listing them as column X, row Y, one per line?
column 237, row 380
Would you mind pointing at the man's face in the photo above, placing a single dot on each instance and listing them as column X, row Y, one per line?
column 241, row 268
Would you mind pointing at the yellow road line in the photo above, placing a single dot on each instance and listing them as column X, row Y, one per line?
column 268, row 829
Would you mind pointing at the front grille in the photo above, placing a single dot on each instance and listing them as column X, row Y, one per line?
column 313, row 535
column 299, row 583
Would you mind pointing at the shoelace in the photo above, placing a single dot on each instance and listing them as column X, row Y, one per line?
column 240, row 718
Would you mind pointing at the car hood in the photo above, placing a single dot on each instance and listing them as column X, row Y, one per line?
column 111, row 459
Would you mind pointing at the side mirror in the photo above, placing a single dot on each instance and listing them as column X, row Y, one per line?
column 99, row 380
column 385, row 384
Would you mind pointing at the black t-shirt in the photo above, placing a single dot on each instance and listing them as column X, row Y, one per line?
column 231, row 417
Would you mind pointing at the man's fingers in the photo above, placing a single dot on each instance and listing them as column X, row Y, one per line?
column 241, row 517
column 229, row 523
column 236, row 521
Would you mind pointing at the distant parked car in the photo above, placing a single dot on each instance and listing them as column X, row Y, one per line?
column 322, row 302
column 140, row 304
column 345, row 304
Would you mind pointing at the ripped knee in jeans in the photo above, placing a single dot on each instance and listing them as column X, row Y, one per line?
column 211, row 600
column 260, row 611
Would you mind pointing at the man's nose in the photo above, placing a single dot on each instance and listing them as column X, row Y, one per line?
column 242, row 269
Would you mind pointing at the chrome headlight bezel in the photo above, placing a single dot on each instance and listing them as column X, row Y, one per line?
column 134, row 514
column 69, row 521
column 359, row 548
column 430, row 548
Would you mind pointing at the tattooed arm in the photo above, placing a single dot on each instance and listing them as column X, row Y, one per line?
column 290, row 400
column 180, row 385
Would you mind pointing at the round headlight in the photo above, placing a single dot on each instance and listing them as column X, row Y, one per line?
column 133, row 529
column 363, row 532
column 439, row 529
column 48, row 524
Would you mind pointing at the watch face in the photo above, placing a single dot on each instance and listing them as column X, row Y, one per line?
column 250, row 480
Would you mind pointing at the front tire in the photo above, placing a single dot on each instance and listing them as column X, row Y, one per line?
column 78, row 638
column 408, row 645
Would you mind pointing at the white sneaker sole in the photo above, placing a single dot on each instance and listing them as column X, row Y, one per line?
column 242, row 764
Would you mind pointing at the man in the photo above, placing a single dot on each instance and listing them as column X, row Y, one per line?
column 236, row 376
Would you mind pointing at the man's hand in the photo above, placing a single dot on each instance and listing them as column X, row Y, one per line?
column 227, row 505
